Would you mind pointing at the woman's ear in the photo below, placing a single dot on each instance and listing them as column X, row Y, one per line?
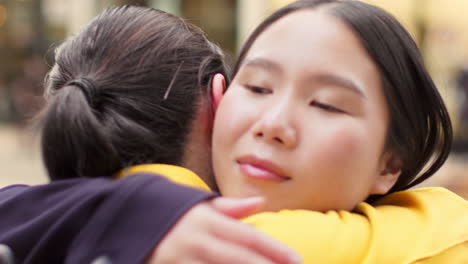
column 218, row 86
column 390, row 171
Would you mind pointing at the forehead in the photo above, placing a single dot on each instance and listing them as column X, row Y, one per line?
column 313, row 40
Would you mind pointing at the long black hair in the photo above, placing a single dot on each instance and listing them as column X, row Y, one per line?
column 420, row 131
column 124, row 91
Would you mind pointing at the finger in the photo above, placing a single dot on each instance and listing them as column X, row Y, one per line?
column 218, row 251
column 249, row 237
column 237, row 207
column 6, row 255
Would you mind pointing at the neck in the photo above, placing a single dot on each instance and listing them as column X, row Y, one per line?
column 197, row 154
column 197, row 158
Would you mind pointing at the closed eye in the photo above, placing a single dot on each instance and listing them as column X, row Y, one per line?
column 327, row 107
column 257, row 89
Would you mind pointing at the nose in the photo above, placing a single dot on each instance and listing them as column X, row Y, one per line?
column 275, row 126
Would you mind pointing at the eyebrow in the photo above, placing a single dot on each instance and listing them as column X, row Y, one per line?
column 323, row 78
column 264, row 64
column 332, row 79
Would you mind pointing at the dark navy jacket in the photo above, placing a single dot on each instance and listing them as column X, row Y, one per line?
column 79, row 220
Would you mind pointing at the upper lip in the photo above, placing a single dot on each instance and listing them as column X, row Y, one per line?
column 263, row 164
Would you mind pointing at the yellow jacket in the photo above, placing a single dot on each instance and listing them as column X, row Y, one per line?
column 423, row 226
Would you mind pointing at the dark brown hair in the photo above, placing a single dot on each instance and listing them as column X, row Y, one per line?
column 124, row 91
column 420, row 131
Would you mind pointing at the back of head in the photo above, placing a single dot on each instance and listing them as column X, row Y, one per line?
column 124, row 91
column 420, row 131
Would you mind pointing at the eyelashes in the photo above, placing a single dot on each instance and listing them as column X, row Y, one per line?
column 258, row 89
column 322, row 106
column 327, row 107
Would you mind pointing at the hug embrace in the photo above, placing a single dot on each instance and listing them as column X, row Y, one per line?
column 325, row 122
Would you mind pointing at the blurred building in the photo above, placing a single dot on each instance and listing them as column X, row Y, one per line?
column 31, row 28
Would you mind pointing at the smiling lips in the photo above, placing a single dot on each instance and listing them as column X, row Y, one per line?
column 261, row 169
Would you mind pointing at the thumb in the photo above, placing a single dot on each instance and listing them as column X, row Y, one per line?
column 237, row 207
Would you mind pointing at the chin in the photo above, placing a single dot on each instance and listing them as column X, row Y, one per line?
column 272, row 206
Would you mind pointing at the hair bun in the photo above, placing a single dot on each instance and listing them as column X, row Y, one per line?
column 87, row 86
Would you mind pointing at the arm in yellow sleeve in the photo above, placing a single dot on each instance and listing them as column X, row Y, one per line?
column 404, row 227
column 333, row 237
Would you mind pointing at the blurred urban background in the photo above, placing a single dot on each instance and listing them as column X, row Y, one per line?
column 31, row 29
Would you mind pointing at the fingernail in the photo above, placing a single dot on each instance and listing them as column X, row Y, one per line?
column 255, row 199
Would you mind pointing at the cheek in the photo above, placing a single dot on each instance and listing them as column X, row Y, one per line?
column 336, row 141
column 232, row 122
column 231, row 119
column 348, row 144
column 234, row 117
column 348, row 141
column 342, row 163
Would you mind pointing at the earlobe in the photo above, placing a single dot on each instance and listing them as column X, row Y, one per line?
column 218, row 86
column 388, row 176
column 384, row 183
